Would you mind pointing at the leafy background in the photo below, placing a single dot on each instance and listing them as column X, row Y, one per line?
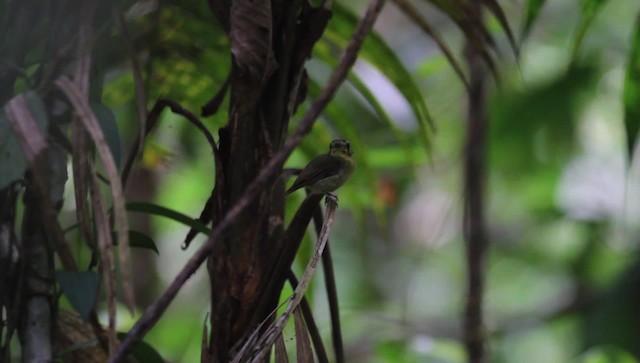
column 563, row 270
column 561, row 220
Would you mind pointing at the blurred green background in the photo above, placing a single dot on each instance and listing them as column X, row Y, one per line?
column 563, row 271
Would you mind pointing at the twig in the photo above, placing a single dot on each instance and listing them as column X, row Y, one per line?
column 89, row 120
column 153, row 313
column 266, row 341
column 105, row 243
column 474, row 185
column 332, row 292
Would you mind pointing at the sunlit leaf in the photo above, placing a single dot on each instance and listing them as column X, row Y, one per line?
column 606, row 354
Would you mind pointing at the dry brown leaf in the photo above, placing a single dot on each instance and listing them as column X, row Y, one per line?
column 304, row 353
column 281, row 350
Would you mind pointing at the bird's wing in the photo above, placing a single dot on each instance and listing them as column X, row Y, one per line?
column 319, row 168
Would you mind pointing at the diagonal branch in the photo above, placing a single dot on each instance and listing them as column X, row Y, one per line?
column 153, row 313
column 264, row 343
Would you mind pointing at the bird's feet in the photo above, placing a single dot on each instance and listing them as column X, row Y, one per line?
column 332, row 197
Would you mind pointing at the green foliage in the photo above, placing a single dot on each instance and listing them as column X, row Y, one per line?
column 606, row 355
column 376, row 52
column 632, row 92
column 532, row 12
column 397, row 244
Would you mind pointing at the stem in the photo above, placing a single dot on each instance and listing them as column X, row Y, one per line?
column 474, row 186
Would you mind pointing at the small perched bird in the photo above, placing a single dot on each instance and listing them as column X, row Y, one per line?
column 326, row 173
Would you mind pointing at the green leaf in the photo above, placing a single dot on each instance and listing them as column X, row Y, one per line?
column 606, row 354
column 589, row 9
column 360, row 86
column 497, row 11
column 107, row 122
column 376, row 52
column 413, row 13
column 143, row 352
column 155, row 209
column 632, row 92
column 476, row 33
column 81, row 289
column 537, row 126
column 533, row 133
column 139, row 240
column 533, row 10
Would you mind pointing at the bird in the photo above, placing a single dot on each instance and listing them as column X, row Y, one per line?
column 328, row 172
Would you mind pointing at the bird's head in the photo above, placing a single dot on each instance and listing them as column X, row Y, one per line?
column 340, row 148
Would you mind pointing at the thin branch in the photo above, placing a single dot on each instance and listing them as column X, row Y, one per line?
column 81, row 77
column 89, row 120
column 332, row 292
column 263, row 345
column 474, row 186
column 107, row 265
column 153, row 313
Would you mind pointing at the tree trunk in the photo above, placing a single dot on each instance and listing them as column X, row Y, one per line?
column 270, row 42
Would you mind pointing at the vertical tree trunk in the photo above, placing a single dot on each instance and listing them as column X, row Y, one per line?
column 260, row 88
column 474, row 186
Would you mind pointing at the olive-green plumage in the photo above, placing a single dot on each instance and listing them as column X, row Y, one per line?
column 326, row 173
